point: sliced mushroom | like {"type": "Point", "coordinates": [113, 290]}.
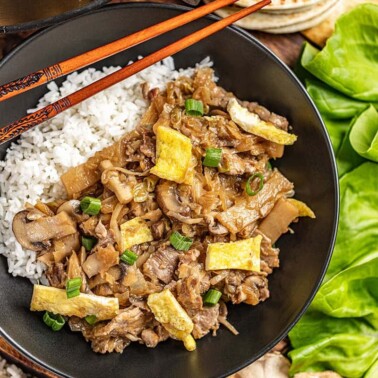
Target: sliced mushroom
{"type": "Point", "coordinates": [122, 190]}
{"type": "Point", "coordinates": [35, 235]}
{"type": "Point", "coordinates": [168, 198]}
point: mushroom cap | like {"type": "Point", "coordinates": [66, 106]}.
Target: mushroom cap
{"type": "Point", "coordinates": [20, 232]}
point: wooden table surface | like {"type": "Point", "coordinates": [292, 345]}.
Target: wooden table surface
{"type": "Point", "coordinates": [285, 46]}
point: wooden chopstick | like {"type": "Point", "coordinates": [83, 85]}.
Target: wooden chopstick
{"type": "Point", "coordinates": [65, 67]}
{"type": "Point", "coordinates": [14, 129]}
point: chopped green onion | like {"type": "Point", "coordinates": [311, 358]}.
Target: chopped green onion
{"type": "Point", "coordinates": [248, 188]}
{"type": "Point", "coordinates": [268, 166]}
{"type": "Point", "coordinates": [212, 297]}
{"type": "Point", "coordinates": [88, 242]}
{"type": "Point", "coordinates": [73, 287]}
{"type": "Point", "coordinates": [55, 322]}
{"type": "Point", "coordinates": [213, 157]}
{"type": "Point", "coordinates": [91, 319]}
{"type": "Point", "coordinates": [180, 242]}
{"type": "Point", "coordinates": [90, 205]}
{"type": "Point", "coordinates": [194, 107]}
{"type": "Point", "coordinates": [129, 257]}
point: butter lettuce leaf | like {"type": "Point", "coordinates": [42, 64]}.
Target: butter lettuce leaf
{"type": "Point", "coordinates": [337, 130]}
{"type": "Point", "coordinates": [332, 103]}
{"type": "Point", "coordinates": [346, 157]}
{"type": "Point", "coordinates": [358, 219]}
{"type": "Point", "coordinates": [348, 62]}
{"type": "Point", "coordinates": [373, 371]}
{"type": "Point", "coordinates": [357, 284]}
{"type": "Point", "coordinates": [348, 346]}
{"type": "Point", "coordinates": [340, 329]}
{"type": "Point", "coordinates": [363, 135]}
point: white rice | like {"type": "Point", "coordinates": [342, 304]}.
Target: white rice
{"type": "Point", "coordinates": [10, 371]}
{"type": "Point", "coordinates": [33, 165]}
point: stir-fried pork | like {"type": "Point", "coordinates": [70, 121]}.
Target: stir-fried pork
{"type": "Point", "coordinates": [127, 249]}
{"type": "Point", "coordinates": [205, 321]}
{"type": "Point", "coordinates": [161, 264]}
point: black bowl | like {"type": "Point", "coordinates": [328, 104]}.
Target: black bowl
{"type": "Point", "coordinates": [253, 73]}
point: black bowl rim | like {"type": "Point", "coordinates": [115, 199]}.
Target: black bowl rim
{"type": "Point", "coordinates": [244, 34]}
{"type": "Point", "coordinates": [43, 22]}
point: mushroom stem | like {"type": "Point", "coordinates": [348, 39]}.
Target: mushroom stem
{"type": "Point", "coordinates": [111, 179]}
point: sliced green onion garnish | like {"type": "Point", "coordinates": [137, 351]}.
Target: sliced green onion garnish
{"type": "Point", "coordinates": [248, 188]}
{"type": "Point", "coordinates": [213, 157]}
{"type": "Point", "coordinates": [73, 287]}
{"type": "Point", "coordinates": [91, 319]}
{"type": "Point", "coordinates": [90, 205]}
{"type": "Point", "coordinates": [180, 242]}
{"type": "Point", "coordinates": [55, 322]}
{"type": "Point", "coordinates": [129, 257]}
{"type": "Point", "coordinates": [268, 166]}
{"type": "Point", "coordinates": [88, 242]}
{"type": "Point", "coordinates": [194, 107]}
{"type": "Point", "coordinates": [212, 297]}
